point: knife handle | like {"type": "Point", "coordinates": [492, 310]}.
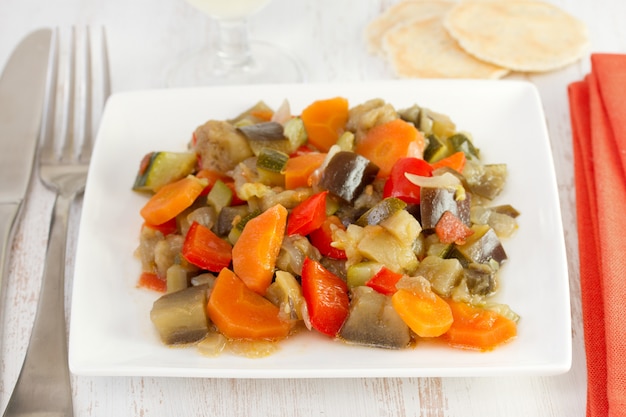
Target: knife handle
{"type": "Point", "coordinates": [8, 219]}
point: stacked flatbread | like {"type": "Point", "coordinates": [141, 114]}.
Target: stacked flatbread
{"type": "Point", "coordinates": [475, 38]}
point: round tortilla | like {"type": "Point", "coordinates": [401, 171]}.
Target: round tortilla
{"type": "Point", "coordinates": [424, 49]}
{"type": "Point", "coordinates": [522, 35]}
{"type": "Point", "coordinates": [403, 11]}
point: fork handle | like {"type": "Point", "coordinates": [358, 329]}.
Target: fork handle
{"type": "Point", "coordinates": [8, 219]}
{"type": "Point", "coordinates": [43, 385]}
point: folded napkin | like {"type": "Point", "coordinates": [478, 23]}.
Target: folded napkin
{"type": "Point", "coordinates": [598, 117]}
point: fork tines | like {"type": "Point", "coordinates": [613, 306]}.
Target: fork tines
{"type": "Point", "coordinates": [72, 102]}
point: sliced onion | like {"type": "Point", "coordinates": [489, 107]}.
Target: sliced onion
{"type": "Point", "coordinates": [447, 180]}
{"type": "Point", "coordinates": [283, 113]}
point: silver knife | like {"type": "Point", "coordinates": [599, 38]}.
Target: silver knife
{"type": "Point", "coordinates": [22, 96]}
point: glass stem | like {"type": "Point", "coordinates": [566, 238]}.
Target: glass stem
{"type": "Point", "coordinates": [233, 44]}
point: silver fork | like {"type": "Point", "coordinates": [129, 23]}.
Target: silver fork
{"type": "Point", "coordinates": [43, 386]}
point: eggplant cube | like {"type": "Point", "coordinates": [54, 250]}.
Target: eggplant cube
{"type": "Point", "coordinates": [373, 321]}
{"type": "Point", "coordinates": [180, 317]}
{"type": "Point", "coordinates": [434, 201]}
{"type": "Point", "coordinates": [347, 174]}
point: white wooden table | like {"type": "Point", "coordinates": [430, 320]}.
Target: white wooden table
{"type": "Point", "coordinates": [145, 38]}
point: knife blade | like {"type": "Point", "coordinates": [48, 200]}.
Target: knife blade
{"type": "Point", "coordinates": [22, 96]}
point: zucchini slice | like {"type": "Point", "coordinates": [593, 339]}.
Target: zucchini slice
{"type": "Point", "coordinates": [161, 168]}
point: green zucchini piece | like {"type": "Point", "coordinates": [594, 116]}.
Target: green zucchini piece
{"type": "Point", "coordinates": [270, 165]}
{"type": "Point", "coordinates": [295, 133]}
{"type": "Point", "coordinates": [381, 211]}
{"type": "Point", "coordinates": [235, 232]}
{"type": "Point", "coordinates": [443, 274]}
{"type": "Point", "coordinates": [161, 168]}
{"type": "Point", "coordinates": [436, 149]}
{"type": "Point", "coordinates": [462, 143]}
{"type": "Point", "coordinates": [272, 160]}
{"type": "Point", "coordinates": [359, 273]}
{"type": "Point", "coordinates": [220, 196]}
{"type": "Point", "coordinates": [488, 181]}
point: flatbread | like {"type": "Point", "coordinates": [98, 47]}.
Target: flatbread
{"type": "Point", "coordinates": [405, 10]}
{"type": "Point", "coordinates": [522, 35]}
{"type": "Point", "coordinates": [424, 49]}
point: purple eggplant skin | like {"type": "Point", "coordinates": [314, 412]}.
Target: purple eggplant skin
{"type": "Point", "coordinates": [265, 131]}
{"type": "Point", "coordinates": [436, 201]}
{"type": "Point", "coordinates": [374, 322]}
{"type": "Point", "coordinates": [483, 246]}
{"type": "Point", "coordinates": [347, 174]}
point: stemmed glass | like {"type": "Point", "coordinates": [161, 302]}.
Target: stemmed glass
{"type": "Point", "coordinates": [234, 59]}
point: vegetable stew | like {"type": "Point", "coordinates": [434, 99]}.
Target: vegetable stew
{"type": "Point", "coordinates": [368, 224]}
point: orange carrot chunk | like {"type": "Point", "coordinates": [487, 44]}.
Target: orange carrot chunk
{"type": "Point", "coordinates": [427, 314]}
{"type": "Point", "coordinates": [299, 168]}
{"type": "Point", "coordinates": [386, 143]}
{"type": "Point", "coordinates": [240, 313]}
{"type": "Point", "coordinates": [256, 249]}
{"type": "Point", "coordinates": [324, 121]}
{"type": "Point", "coordinates": [171, 200]}
{"type": "Point", "coordinates": [477, 328]}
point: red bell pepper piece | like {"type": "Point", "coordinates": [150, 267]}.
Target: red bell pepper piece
{"type": "Point", "coordinates": [326, 297]}
{"type": "Point", "coordinates": [451, 229]}
{"type": "Point", "coordinates": [205, 249]}
{"type": "Point", "coordinates": [166, 228]}
{"type": "Point", "coordinates": [384, 281]}
{"type": "Point", "coordinates": [308, 215]}
{"type": "Point", "coordinates": [399, 186]}
{"type": "Point", "coordinates": [323, 237]}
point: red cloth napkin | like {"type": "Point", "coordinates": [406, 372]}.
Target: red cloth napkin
{"type": "Point", "coordinates": [598, 116]}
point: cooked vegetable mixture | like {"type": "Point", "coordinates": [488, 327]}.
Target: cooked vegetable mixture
{"type": "Point", "coordinates": [367, 224]}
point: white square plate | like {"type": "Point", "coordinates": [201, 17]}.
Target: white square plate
{"type": "Point", "coordinates": [111, 332]}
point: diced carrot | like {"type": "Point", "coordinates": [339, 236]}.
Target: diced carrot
{"type": "Point", "coordinates": [265, 115]}
{"type": "Point", "coordinates": [152, 282]}
{"type": "Point", "coordinates": [451, 229]}
{"type": "Point", "coordinates": [256, 250]}
{"type": "Point", "coordinates": [324, 121]}
{"type": "Point", "coordinates": [456, 161]}
{"type": "Point", "coordinates": [299, 169]}
{"type": "Point", "coordinates": [386, 143]}
{"type": "Point", "coordinates": [172, 199]}
{"type": "Point", "coordinates": [240, 313]}
{"type": "Point", "coordinates": [427, 314]}
{"type": "Point", "coordinates": [477, 328]}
